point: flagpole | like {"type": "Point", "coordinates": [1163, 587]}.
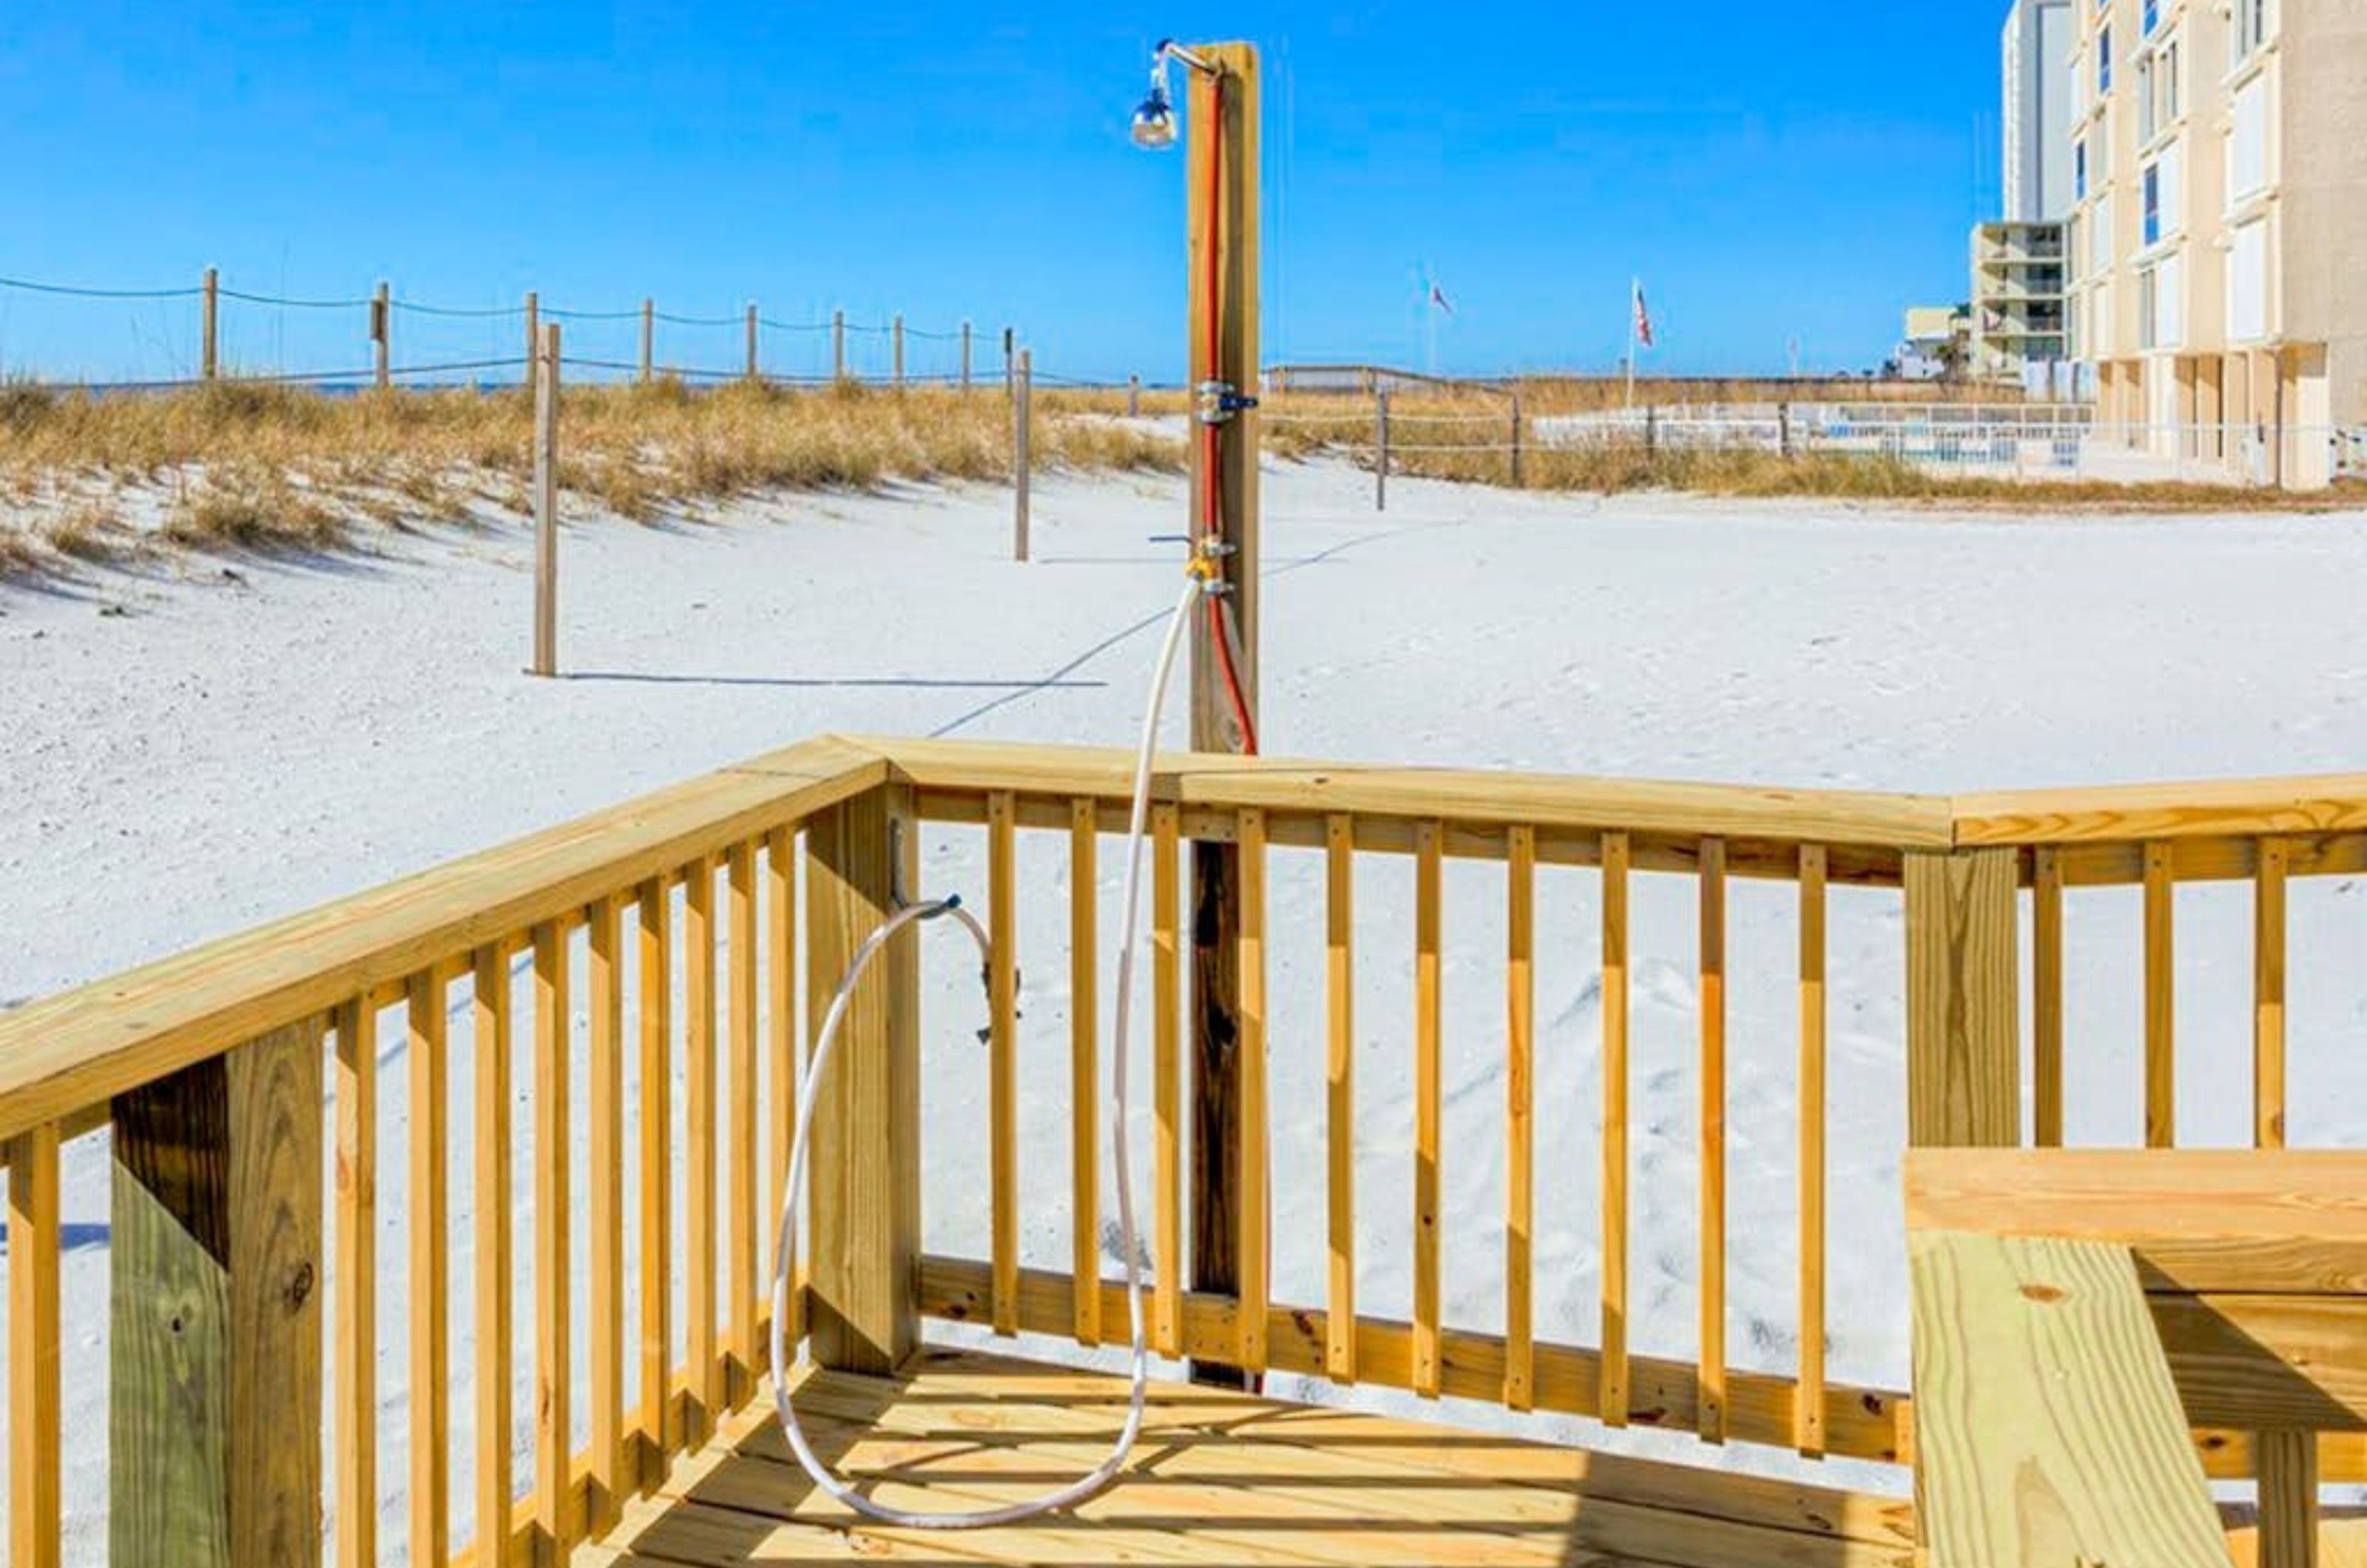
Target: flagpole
{"type": "Point", "coordinates": [1635, 291]}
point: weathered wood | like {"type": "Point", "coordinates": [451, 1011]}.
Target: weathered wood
{"type": "Point", "coordinates": [1520, 1118]}
{"type": "Point", "coordinates": [1613, 1400]}
{"type": "Point", "coordinates": [896, 346]}
{"type": "Point", "coordinates": [1809, 1400]}
{"type": "Point", "coordinates": [1428, 1102]}
{"type": "Point", "coordinates": [491, 1198]}
{"type": "Point", "coordinates": [209, 327]}
{"type": "Point", "coordinates": [1963, 1072]}
{"type": "Point", "coordinates": [649, 341]}
{"type": "Point", "coordinates": [546, 503]}
{"type": "Point", "coordinates": [753, 377]}
{"type": "Point", "coordinates": [353, 1392]}
{"type": "Point", "coordinates": [1381, 451]}
{"type": "Point", "coordinates": [1084, 1071]}
{"type": "Point", "coordinates": [426, 1089]}
{"type": "Point", "coordinates": [1167, 1089]}
{"type": "Point", "coordinates": [554, 1373]}
{"type": "Point", "coordinates": [216, 1262]}
{"type": "Point", "coordinates": [1712, 990]}
{"type": "Point", "coordinates": [1022, 460]}
{"type": "Point", "coordinates": [838, 346]}
{"type": "Point", "coordinates": [867, 1129]}
{"type": "Point", "coordinates": [382, 325]}
{"type": "Point", "coordinates": [2037, 1372]}
{"type": "Point", "coordinates": [35, 1444]}
{"type": "Point", "coordinates": [1256, 1196]}
{"type": "Point", "coordinates": [1003, 1056]}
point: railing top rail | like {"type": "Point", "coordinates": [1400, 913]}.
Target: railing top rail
{"type": "Point", "coordinates": [82, 1047]}
{"type": "Point", "coordinates": [2329, 803]}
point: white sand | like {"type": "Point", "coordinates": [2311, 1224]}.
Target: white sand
{"type": "Point", "coordinates": [228, 751]}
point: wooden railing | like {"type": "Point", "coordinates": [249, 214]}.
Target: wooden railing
{"type": "Point", "coordinates": [684, 927]}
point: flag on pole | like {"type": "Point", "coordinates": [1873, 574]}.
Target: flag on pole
{"type": "Point", "coordinates": [1438, 297]}
{"type": "Point", "coordinates": [1643, 320]}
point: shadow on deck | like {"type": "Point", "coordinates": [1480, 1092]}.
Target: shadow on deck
{"type": "Point", "coordinates": [1218, 1478]}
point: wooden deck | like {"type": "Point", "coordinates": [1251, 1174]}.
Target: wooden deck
{"type": "Point", "coordinates": [1218, 1478]}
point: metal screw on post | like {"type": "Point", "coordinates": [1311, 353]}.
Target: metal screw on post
{"type": "Point", "coordinates": [1023, 395]}
{"type": "Point", "coordinates": [1381, 450]}
{"type": "Point", "coordinates": [546, 504]}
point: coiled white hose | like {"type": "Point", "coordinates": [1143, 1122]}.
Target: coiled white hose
{"type": "Point", "coordinates": [792, 1200]}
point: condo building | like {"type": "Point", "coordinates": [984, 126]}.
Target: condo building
{"type": "Point", "coordinates": [2217, 240]}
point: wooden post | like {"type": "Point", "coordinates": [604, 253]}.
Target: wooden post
{"type": "Point", "coordinates": [1516, 438]}
{"type": "Point", "coordinates": [1652, 428]}
{"type": "Point", "coordinates": [533, 331]}
{"type": "Point", "coordinates": [1223, 295]}
{"type": "Point", "coordinates": [838, 346]}
{"type": "Point", "coordinates": [1381, 450]}
{"type": "Point", "coordinates": [1010, 363]}
{"type": "Point", "coordinates": [381, 334]}
{"type": "Point", "coordinates": [896, 345]}
{"type": "Point", "coordinates": [1134, 397]}
{"type": "Point", "coordinates": [209, 343]}
{"type": "Point", "coordinates": [648, 340]}
{"type": "Point", "coordinates": [965, 356]}
{"type": "Point", "coordinates": [865, 1186]}
{"type": "Point", "coordinates": [1784, 429]}
{"type": "Point", "coordinates": [546, 504]}
{"type": "Point", "coordinates": [214, 1393]}
{"type": "Point", "coordinates": [755, 376]}
{"type": "Point", "coordinates": [1022, 397]}
{"type": "Point", "coordinates": [1963, 1072]}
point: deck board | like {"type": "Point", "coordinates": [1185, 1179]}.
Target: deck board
{"type": "Point", "coordinates": [1218, 1477]}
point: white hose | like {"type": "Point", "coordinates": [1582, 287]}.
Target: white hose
{"type": "Point", "coordinates": [785, 1246]}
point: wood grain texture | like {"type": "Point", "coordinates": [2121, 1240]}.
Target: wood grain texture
{"type": "Point", "coordinates": [427, 1088]}
{"type": "Point", "coordinates": [1963, 1068]}
{"type": "Point", "coordinates": [1084, 1070]}
{"type": "Point", "coordinates": [2046, 995]}
{"type": "Point", "coordinates": [605, 1327]}
{"type": "Point", "coordinates": [1808, 1432]}
{"type": "Point", "coordinates": [1256, 1199]}
{"type": "Point", "coordinates": [1340, 1093]}
{"type": "Point", "coordinates": [1613, 1398]}
{"type": "Point", "coordinates": [2037, 1376]}
{"type": "Point", "coordinates": [554, 1380]}
{"type": "Point", "coordinates": [1428, 1102]}
{"type": "Point", "coordinates": [35, 1495]}
{"type": "Point", "coordinates": [1520, 1119]}
{"type": "Point", "coordinates": [781, 1057]}
{"type": "Point", "coordinates": [1167, 1081]}
{"type": "Point", "coordinates": [216, 1260]}
{"type": "Point", "coordinates": [2289, 1515]}
{"type": "Point", "coordinates": [1711, 984]}
{"type": "Point", "coordinates": [2129, 813]}
{"type": "Point", "coordinates": [653, 982]}
{"type": "Point", "coordinates": [354, 1367]}
{"type": "Point", "coordinates": [741, 1225]}
{"type": "Point", "coordinates": [2160, 999]}
{"type": "Point", "coordinates": [491, 1198]}
{"type": "Point", "coordinates": [1003, 1054]}
{"type": "Point", "coordinates": [2269, 996]}
{"type": "Point", "coordinates": [701, 1125]}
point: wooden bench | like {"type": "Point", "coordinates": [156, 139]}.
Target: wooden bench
{"type": "Point", "coordinates": [2077, 1312]}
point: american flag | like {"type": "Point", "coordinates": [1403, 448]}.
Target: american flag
{"type": "Point", "coordinates": [1643, 320]}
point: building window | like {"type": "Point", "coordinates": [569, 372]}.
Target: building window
{"type": "Point", "coordinates": [2251, 24]}
{"type": "Point", "coordinates": [2248, 283]}
{"type": "Point", "coordinates": [2248, 141]}
{"type": "Point", "coordinates": [2153, 204]}
{"type": "Point", "coordinates": [2104, 63]}
{"type": "Point", "coordinates": [2152, 15]}
{"type": "Point", "coordinates": [2079, 171]}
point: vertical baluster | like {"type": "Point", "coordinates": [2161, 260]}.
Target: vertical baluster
{"type": "Point", "coordinates": [355, 1393]}
{"type": "Point", "coordinates": [699, 1118]}
{"type": "Point", "coordinates": [740, 1221]}
{"type": "Point", "coordinates": [1520, 1114]}
{"type": "Point", "coordinates": [653, 979]}
{"type": "Point", "coordinates": [1712, 1424]}
{"type": "Point", "coordinates": [426, 1089]}
{"type": "Point", "coordinates": [1427, 1053]}
{"type": "Point", "coordinates": [491, 1047]}
{"type": "Point", "coordinates": [781, 1051]}
{"type": "Point", "coordinates": [553, 1375]}
{"type": "Point", "coordinates": [1256, 1201]}
{"type": "Point", "coordinates": [1610, 1394]}
{"type": "Point", "coordinates": [2160, 1000]}
{"type": "Point", "coordinates": [1166, 1066]}
{"type": "Point", "coordinates": [607, 1164]}
{"type": "Point", "coordinates": [2046, 992]}
{"type": "Point", "coordinates": [1808, 1399]}
{"type": "Point", "coordinates": [1340, 977]}
{"type": "Point", "coordinates": [35, 1497]}
{"type": "Point", "coordinates": [1003, 1064]}
{"type": "Point", "coordinates": [1085, 1077]}
{"type": "Point", "coordinates": [2269, 995]}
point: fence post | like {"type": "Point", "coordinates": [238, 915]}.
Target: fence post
{"type": "Point", "coordinates": [546, 504]}
{"type": "Point", "coordinates": [381, 331]}
{"type": "Point", "coordinates": [1134, 397]}
{"type": "Point", "coordinates": [838, 346]}
{"type": "Point", "coordinates": [1381, 450]}
{"type": "Point", "coordinates": [1023, 395]}
{"type": "Point", "coordinates": [1651, 428]}
{"type": "Point", "coordinates": [866, 1191]}
{"type": "Point", "coordinates": [754, 375]}
{"type": "Point", "coordinates": [896, 345]}
{"type": "Point", "coordinates": [1010, 347]}
{"type": "Point", "coordinates": [1516, 439]}
{"type": "Point", "coordinates": [1784, 429]}
{"type": "Point", "coordinates": [209, 347]}
{"type": "Point", "coordinates": [649, 339]}
{"type": "Point", "coordinates": [215, 1283]}
{"type": "Point", "coordinates": [1964, 1076]}
{"type": "Point", "coordinates": [533, 331]}
{"type": "Point", "coordinates": [965, 352]}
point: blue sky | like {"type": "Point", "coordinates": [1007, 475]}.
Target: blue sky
{"type": "Point", "coordinates": [1772, 173]}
